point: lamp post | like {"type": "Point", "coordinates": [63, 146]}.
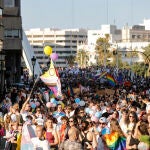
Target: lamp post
{"type": "Point", "coordinates": [33, 60]}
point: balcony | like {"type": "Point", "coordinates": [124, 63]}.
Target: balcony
{"type": "Point", "coordinates": [11, 11]}
{"type": "Point", "coordinates": [12, 44]}
{"type": "Point", "coordinates": [12, 22]}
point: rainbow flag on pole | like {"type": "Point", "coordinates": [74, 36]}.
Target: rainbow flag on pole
{"type": "Point", "coordinates": [100, 75]}
{"type": "Point", "coordinates": [111, 80]}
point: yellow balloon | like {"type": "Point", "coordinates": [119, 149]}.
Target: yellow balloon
{"type": "Point", "coordinates": [47, 50]}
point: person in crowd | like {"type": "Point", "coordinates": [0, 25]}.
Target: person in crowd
{"type": "Point", "coordinates": [88, 137]}
{"type": "Point", "coordinates": [40, 142]}
{"type": "Point", "coordinates": [58, 113]}
{"type": "Point", "coordinates": [51, 134]}
{"type": "Point", "coordinates": [147, 102]}
{"type": "Point", "coordinates": [107, 112]}
{"type": "Point", "coordinates": [72, 143]}
{"type": "Point", "coordinates": [122, 122]}
{"type": "Point", "coordinates": [131, 121]}
{"type": "Point", "coordinates": [116, 139]}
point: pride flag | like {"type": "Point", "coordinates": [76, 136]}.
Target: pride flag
{"type": "Point", "coordinates": [52, 80]}
{"type": "Point", "coordinates": [101, 75]}
{"type": "Point", "coordinates": [111, 80]}
{"type": "Point", "coordinates": [115, 142]}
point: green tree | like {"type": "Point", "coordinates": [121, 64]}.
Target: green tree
{"type": "Point", "coordinates": [139, 68]}
{"type": "Point", "coordinates": [82, 57]}
{"type": "Point", "coordinates": [147, 58]}
{"type": "Point", "coordinates": [102, 46]}
{"type": "Point", "coordinates": [147, 53]}
{"type": "Point", "coordinates": [70, 59]}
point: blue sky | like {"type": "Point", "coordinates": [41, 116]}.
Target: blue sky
{"type": "Point", "coordinates": [83, 13]}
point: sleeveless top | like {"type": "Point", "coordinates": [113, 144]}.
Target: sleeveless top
{"type": "Point", "coordinates": [50, 137]}
{"type": "Point", "coordinates": [85, 141]}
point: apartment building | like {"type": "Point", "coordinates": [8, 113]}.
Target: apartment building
{"type": "Point", "coordinates": [136, 33]}
{"type": "Point", "coordinates": [64, 43]}
{"type": "Point", "coordinates": [12, 38]}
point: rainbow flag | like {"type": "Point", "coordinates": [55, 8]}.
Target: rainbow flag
{"type": "Point", "coordinates": [101, 75]}
{"type": "Point", "coordinates": [111, 80]}
{"type": "Point", "coordinates": [115, 142]}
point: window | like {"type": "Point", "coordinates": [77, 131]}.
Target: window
{"type": "Point", "coordinates": [12, 34]}
{"type": "Point", "coordinates": [9, 3]}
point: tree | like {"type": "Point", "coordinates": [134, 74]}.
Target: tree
{"type": "Point", "coordinates": [147, 58]}
{"type": "Point", "coordinates": [139, 68]}
{"type": "Point", "coordinates": [70, 59]}
{"type": "Point", "coordinates": [147, 53]}
{"type": "Point", "coordinates": [102, 45]}
{"type": "Point", "coordinates": [82, 57]}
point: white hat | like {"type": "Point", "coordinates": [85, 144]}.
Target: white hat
{"type": "Point", "coordinates": [103, 120]}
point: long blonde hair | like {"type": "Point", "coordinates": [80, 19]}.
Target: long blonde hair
{"type": "Point", "coordinates": [115, 127]}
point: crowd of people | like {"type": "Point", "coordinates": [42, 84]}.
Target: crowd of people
{"type": "Point", "coordinates": [103, 121]}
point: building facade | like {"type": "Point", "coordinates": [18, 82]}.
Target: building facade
{"type": "Point", "coordinates": [12, 39]}
{"type": "Point", "coordinates": [63, 42]}
{"type": "Point", "coordinates": [136, 33]}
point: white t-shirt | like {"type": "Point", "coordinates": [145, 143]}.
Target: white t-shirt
{"type": "Point", "coordinates": [39, 144]}
{"type": "Point", "coordinates": [147, 107]}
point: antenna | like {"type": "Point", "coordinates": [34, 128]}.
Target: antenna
{"type": "Point", "coordinates": [72, 9]}
{"type": "Point", "coordinates": [107, 10]}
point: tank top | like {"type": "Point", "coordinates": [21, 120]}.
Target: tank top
{"type": "Point", "coordinates": [50, 137]}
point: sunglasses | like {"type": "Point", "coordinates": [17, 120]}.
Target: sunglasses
{"type": "Point", "coordinates": [71, 121]}
{"type": "Point", "coordinates": [102, 123]}
{"type": "Point", "coordinates": [131, 116]}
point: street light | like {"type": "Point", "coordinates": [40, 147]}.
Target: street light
{"type": "Point", "coordinates": [33, 60]}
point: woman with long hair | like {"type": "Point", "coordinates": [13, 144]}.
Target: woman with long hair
{"type": "Point", "coordinates": [132, 141]}
{"type": "Point", "coordinates": [131, 121]}
{"type": "Point", "coordinates": [116, 139]}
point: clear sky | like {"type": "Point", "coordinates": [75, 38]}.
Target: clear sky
{"type": "Point", "coordinates": [83, 13]}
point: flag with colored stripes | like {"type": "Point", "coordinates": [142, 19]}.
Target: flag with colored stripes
{"type": "Point", "coordinates": [115, 142]}
{"type": "Point", "coordinates": [111, 80]}
{"type": "Point", "coordinates": [52, 80]}
{"type": "Point", "coordinates": [100, 75]}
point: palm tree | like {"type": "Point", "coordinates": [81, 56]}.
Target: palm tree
{"type": "Point", "coordinates": [102, 45]}
{"type": "Point", "coordinates": [70, 59]}
{"type": "Point", "coordinates": [147, 58]}
{"type": "Point", "coordinates": [82, 57]}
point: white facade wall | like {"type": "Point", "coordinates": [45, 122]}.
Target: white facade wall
{"type": "Point", "coordinates": [146, 23]}
{"type": "Point", "coordinates": [63, 42]}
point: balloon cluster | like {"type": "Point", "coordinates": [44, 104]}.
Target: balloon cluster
{"type": "Point", "coordinates": [95, 115]}
{"type": "Point", "coordinates": [79, 102]}
{"type": "Point", "coordinates": [48, 52]}
{"type": "Point", "coordinates": [34, 104]}
{"type": "Point", "coordinates": [53, 103]}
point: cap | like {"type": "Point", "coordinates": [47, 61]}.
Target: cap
{"type": "Point", "coordinates": [103, 119]}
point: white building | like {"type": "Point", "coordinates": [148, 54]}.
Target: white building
{"type": "Point", "coordinates": [93, 35]}
{"type": "Point", "coordinates": [114, 34]}
{"type": "Point", "coordinates": [136, 33]}
{"type": "Point", "coordinates": [64, 43]}
{"type": "Point", "coordinates": [146, 23]}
